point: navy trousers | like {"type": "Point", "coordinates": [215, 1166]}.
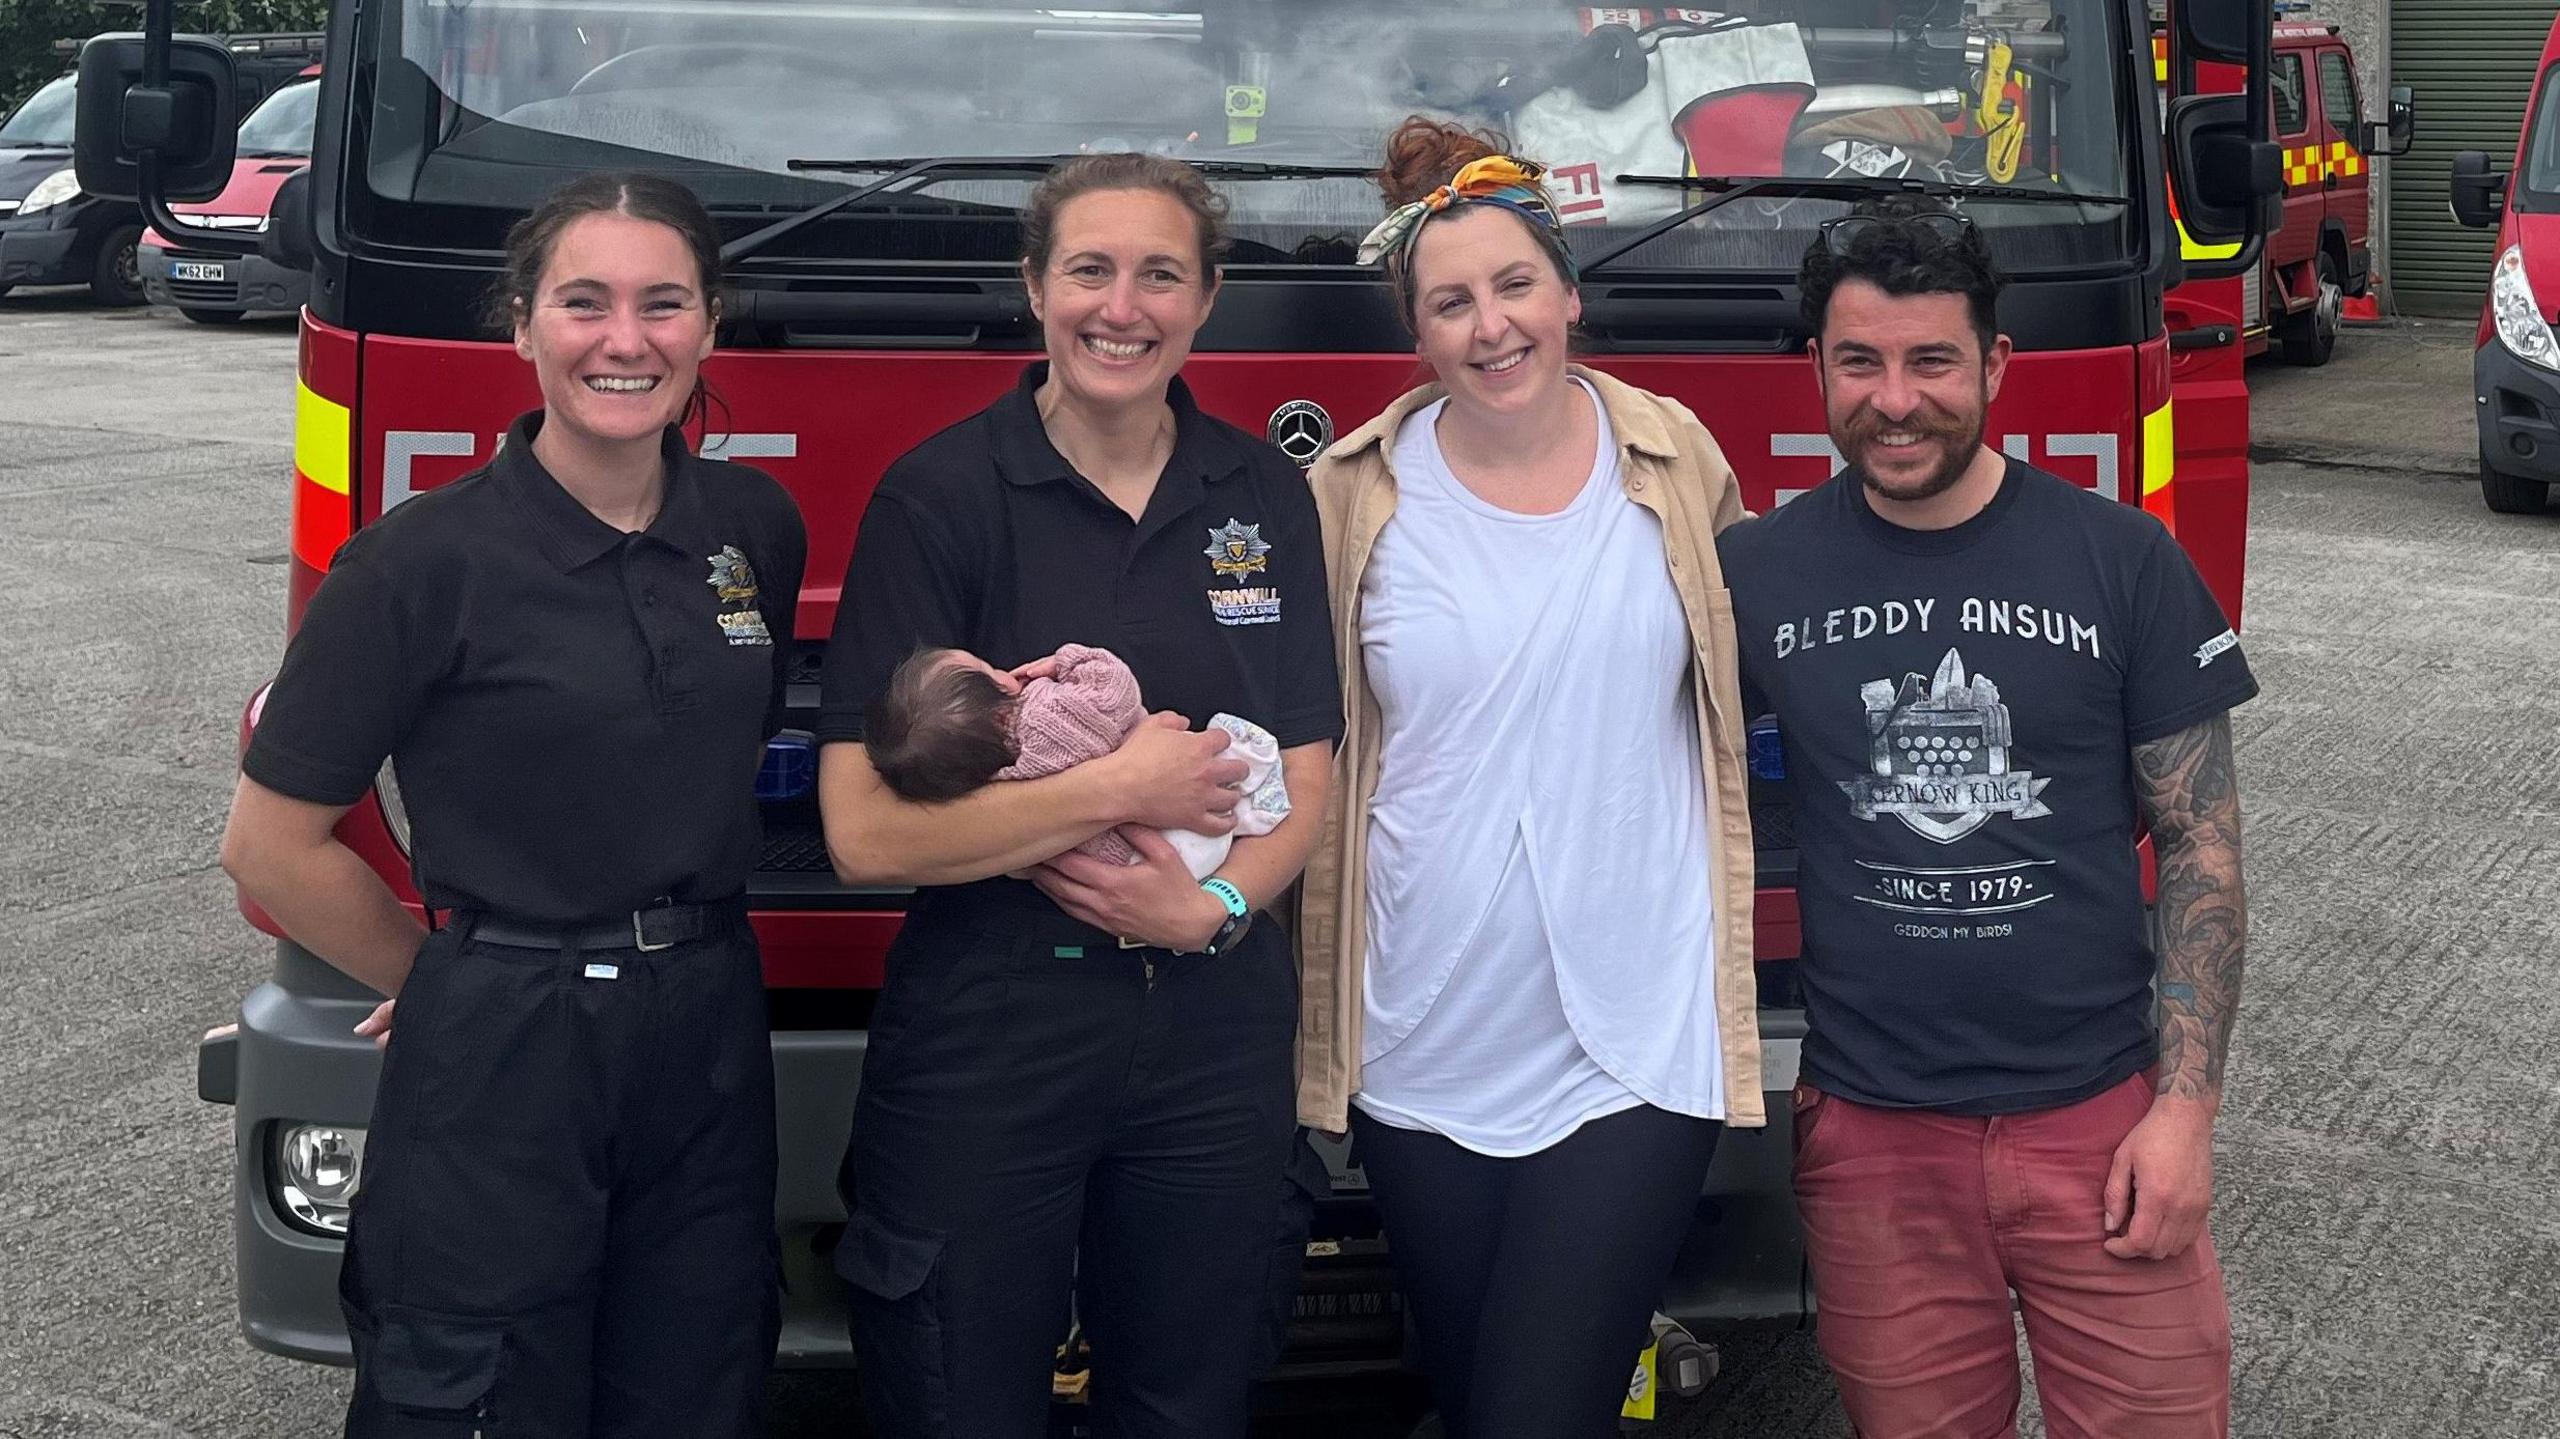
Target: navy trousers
{"type": "Point", "coordinates": [566, 1223]}
{"type": "Point", "coordinates": [1045, 1114]}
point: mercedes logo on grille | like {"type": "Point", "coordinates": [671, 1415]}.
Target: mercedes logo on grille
{"type": "Point", "coordinates": [1301, 429]}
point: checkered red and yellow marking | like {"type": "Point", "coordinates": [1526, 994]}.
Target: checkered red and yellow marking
{"type": "Point", "coordinates": [2314, 164]}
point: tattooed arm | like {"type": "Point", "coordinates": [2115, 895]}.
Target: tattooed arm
{"type": "Point", "coordinates": [2161, 1187]}
{"type": "Point", "coordinates": [2192, 804]}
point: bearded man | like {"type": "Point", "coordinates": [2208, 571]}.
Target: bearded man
{"type": "Point", "coordinates": [1987, 682]}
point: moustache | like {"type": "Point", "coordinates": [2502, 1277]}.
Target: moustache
{"type": "Point", "coordinates": [1926, 422]}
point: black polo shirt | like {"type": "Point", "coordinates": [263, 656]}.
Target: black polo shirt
{"type": "Point", "coordinates": [984, 538]}
{"type": "Point", "coordinates": [575, 714]}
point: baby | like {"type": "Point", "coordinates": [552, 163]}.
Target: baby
{"type": "Point", "coordinates": [945, 727]}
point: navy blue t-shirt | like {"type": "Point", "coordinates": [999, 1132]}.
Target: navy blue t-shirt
{"type": "Point", "coordinates": [1959, 709]}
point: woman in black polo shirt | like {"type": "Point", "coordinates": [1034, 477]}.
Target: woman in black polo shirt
{"type": "Point", "coordinates": [572, 658]}
{"type": "Point", "coordinates": [1081, 1078]}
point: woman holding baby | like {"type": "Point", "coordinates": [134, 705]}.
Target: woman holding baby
{"type": "Point", "coordinates": [1080, 1070]}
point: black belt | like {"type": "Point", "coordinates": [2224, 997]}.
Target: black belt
{"type": "Point", "coordinates": [662, 926]}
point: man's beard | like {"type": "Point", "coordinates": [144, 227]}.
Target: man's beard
{"type": "Point", "coordinates": [1959, 439]}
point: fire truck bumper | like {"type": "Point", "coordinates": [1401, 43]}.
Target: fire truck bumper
{"type": "Point", "coordinates": [2519, 414]}
{"type": "Point", "coordinates": [301, 1085]}
{"type": "Point", "coordinates": [33, 252]}
{"type": "Point", "coordinates": [220, 281]}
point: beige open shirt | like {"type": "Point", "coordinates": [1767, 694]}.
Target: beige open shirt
{"type": "Point", "coordinates": [1672, 467]}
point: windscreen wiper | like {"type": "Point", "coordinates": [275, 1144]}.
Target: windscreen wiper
{"type": "Point", "coordinates": [1217, 169]}
{"type": "Point", "coordinates": [943, 167]}
{"type": "Point", "coordinates": [900, 172]}
{"type": "Point", "coordinates": [1213, 166]}
{"type": "Point", "coordinates": [1819, 187]}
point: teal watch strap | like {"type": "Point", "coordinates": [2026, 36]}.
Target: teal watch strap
{"type": "Point", "coordinates": [1228, 895]}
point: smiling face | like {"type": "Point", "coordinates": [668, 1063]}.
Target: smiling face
{"type": "Point", "coordinates": [1491, 313]}
{"type": "Point", "coordinates": [617, 328]}
{"type": "Point", "coordinates": [1906, 386]}
{"type": "Point", "coordinates": [1124, 292]}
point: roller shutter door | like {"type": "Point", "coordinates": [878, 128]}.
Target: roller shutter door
{"type": "Point", "coordinates": [2472, 63]}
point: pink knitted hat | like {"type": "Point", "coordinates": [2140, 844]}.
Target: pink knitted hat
{"type": "Point", "coordinates": [1082, 714]}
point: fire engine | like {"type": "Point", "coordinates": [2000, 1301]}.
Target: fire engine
{"type": "Point", "coordinates": [2296, 299]}
{"type": "Point", "coordinates": [867, 159]}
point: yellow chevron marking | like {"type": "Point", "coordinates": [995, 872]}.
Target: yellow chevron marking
{"type": "Point", "coordinates": [2159, 448]}
{"type": "Point", "coordinates": [320, 439]}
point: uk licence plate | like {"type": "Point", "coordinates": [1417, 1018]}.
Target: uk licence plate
{"type": "Point", "coordinates": [195, 270]}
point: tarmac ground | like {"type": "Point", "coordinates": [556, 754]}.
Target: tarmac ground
{"type": "Point", "coordinates": [2387, 1171]}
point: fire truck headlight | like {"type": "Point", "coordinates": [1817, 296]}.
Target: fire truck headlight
{"type": "Point", "coordinates": [54, 189]}
{"type": "Point", "coordinates": [2521, 327]}
{"type": "Point", "coordinates": [318, 1168]}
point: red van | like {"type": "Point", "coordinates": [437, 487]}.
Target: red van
{"type": "Point", "coordinates": [212, 287]}
{"type": "Point", "coordinates": [2515, 365]}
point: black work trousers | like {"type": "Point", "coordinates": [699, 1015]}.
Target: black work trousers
{"type": "Point", "coordinates": [566, 1222]}
{"type": "Point", "coordinates": [1045, 1114]}
{"type": "Point", "coordinates": [1533, 1280]}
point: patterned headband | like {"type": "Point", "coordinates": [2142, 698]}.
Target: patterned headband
{"type": "Point", "coordinates": [1493, 180]}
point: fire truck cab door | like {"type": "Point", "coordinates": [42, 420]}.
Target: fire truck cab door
{"type": "Point", "coordinates": [2301, 132]}
{"type": "Point", "coordinates": [2350, 170]}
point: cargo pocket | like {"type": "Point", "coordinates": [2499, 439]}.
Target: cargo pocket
{"type": "Point", "coordinates": [437, 1374]}
{"type": "Point", "coordinates": [897, 1323]}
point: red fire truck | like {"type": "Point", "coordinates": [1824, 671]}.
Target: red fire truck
{"type": "Point", "coordinates": [867, 159]}
{"type": "Point", "coordinates": [2295, 298]}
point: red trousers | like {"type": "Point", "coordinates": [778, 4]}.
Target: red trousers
{"type": "Point", "coordinates": [1919, 1225]}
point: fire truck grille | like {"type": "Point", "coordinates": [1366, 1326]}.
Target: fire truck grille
{"type": "Point", "coordinates": [794, 845]}
{"type": "Point", "coordinates": [793, 851]}
{"type": "Point", "coordinates": [1773, 824]}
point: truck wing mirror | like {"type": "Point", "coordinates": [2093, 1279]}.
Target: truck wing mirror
{"type": "Point", "coordinates": [2218, 30]}
{"type": "Point", "coordinates": [2479, 193]}
{"type": "Point", "coordinates": [290, 240]}
{"type": "Point", "coordinates": [2393, 134]}
{"type": "Point", "coordinates": [2227, 182]}
{"type": "Point", "coordinates": [183, 129]}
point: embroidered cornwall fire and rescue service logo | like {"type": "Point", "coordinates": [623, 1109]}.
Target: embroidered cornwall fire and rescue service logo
{"type": "Point", "coordinates": [732, 576]}
{"type": "Point", "coordinates": [734, 581]}
{"type": "Point", "coordinates": [1939, 749]}
{"type": "Point", "coordinates": [1237, 549]}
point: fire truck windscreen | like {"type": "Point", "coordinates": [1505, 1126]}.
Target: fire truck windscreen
{"type": "Point", "coordinates": [493, 102]}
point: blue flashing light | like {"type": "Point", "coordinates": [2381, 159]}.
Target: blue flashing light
{"type": "Point", "coordinates": [1766, 751]}
{"type": "Point", "coordinates": [790, 767]}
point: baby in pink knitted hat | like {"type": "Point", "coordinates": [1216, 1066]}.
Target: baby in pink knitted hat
{"type": "Point", "coordinates": [945, 727]}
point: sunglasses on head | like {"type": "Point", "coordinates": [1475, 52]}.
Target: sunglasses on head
{"type": "Point", "coordinates": [1837, 235]}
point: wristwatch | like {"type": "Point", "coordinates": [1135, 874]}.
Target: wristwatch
{"type": "Point", "coordinates": [1239, 918]}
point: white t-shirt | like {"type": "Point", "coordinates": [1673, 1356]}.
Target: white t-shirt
{"type": "Point", "coordinates": [1541, 935]}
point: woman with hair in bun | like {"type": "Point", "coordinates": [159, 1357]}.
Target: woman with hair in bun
{"type": "Point", "coordinates": [1527, 930]}
{"type": "Point", "coordinates": [572, 658]}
